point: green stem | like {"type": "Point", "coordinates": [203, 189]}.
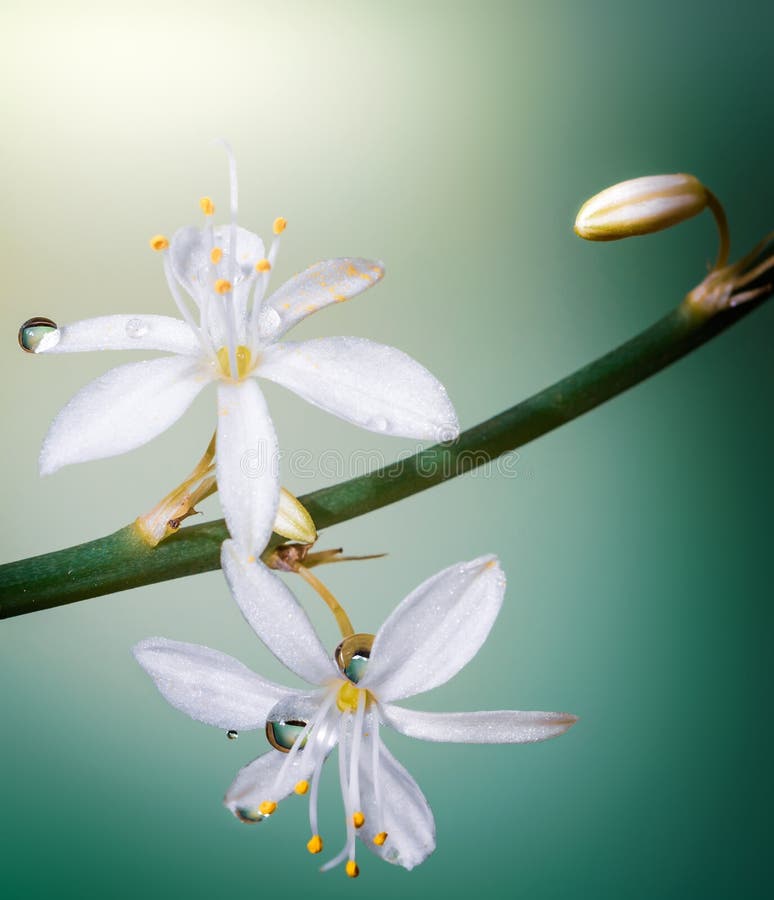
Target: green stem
{"type": "Point", "coordinates": [121, 560]}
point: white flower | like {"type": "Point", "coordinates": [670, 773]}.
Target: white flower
{"type": "Point", "coordinates": [431, 635]}
{"type": "Point", "coordinates": [229, 335]}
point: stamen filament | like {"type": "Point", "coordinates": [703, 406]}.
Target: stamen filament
{"type": "Point", "coordinates": [375, 742]}
{"type": "Point", "coordinates": [184, 311]}
{"type": "Point", "coordinates": [342, 619]}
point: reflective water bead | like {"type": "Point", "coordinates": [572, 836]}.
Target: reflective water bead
{"type": "Point", "coordinates": [249, 815]}
{"type": "Point", "coordinates": [136, 328]}
{"type": "Point", "coordinates": [232, 735]}
{"type": "Point", "coordinates": [352, 655]}
{"type": "Point", "coordinates": [282, 735]}
{"type": "Point", "coordinates": [38, 333]}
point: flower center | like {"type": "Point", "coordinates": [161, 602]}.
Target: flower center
{"type": "Point", "coordinates": [348, 696]}
{"type": "Point", "coordinates": [243, 361]}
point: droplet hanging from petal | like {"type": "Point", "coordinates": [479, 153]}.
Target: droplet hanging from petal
{"type": "Point", "coordinates": [38, 334]}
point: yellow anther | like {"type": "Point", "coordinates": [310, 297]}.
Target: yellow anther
{"type": "Point", "coordinates": [314, 844]}
{"type": "Point", "coordinates": [159, 242]}
{"type": "Point", "coordinates": [352, 869]}
{"type": "Point", "coordinates": [280, 225]}
{"type": "Point", "coordinates": [358, 819]}
{"type": "Point", "coordinates": [380, 838]}
{"type": "Point", "coordinates": [207, 206]}
{"type": "Point", "coordinates": [267, 807]}
{"type": "Point", "coordinates": [263, 265]}
{"type": "Point", "coordinates": [243, 361]}
{"type": "Point", "coordinates": [216, 255]}
{"type": "Point", "coordinates": [222, 286]}
{"type": "Point", "coordinates": [250, 558]}
{"type": "Point", "coordinates": [301, 787]}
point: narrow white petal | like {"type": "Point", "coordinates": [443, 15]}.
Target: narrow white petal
{"type": "Point", "coordinates": [405, 814]}
{"type": "Point", "coordinates": [258, 782]}
{"type": "Point", "coordinates": [276, 616]}
{"type": "Point", "coordinates": [123, 409]}
{"type": "Point", "coordinates": [246, 461]}
{"type": "Point", "coordinates": [371, 385]}
{"type": "Point", "coordinates": [436, 630]}
{"type": "Point", "coordinates": [208, 685]}
{"type": "Point", "coordinates": [324, 283]}
{"type": "Point", "coordinates": [126, 332]}
{"type": "Point", "coordinates": [495, 727]}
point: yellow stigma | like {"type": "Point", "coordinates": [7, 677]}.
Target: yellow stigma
{"type": "Point", "coordinates": [222, 286]}
{"type": "Point", "coordinates": [358, 819]}
{"type": "Point", "coordinates": [216, 254]}
{"type": "Point", "coordinates": [314, 844]}
{"type": "Point", "coordinates": [352, 869]}
{"type": "Point", "coordinates": [263, 265]}
{"type": "Point", "coordinates": [280, 225]}
{"type": "Point", "coordinates": [243, 360]}
{"type": "Point", "coordinates": [380, 838]}
{"type": "Point", "coordinates": [348, 697]}
{"type": "Point", "coordinates": [207, 206]}
{"type": "Point", "coordinates": [302, 787]}
{"type": "Point", "coordinates": [267, 807]}
{"type": "Point", "coordinates": [159, 242]}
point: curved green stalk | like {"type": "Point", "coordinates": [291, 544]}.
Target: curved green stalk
{"type": "Point", "coordinates": [122, 560]}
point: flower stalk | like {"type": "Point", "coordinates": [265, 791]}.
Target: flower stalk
{"type": "Point", "coordinates": [122, 560]}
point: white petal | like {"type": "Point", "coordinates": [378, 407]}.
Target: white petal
{"type": "Point", "coordinates": [246, 464]}
{"type": "Point", "coordinates": [257, 782]}
{"type": "Point", "coordinates": [324, 283]}
{"type": "Point", "coordinates": [371, 385]}
{"type": "Point", "coordinates": [406, 815]}
{"type": "Point", "coordinates": [208, 685]}
{"type": "Point", "coordinates": [276, 616]}
{"type": "Point", "coordinates": [495, 727]}
{"type": "Point", "coordinates": [126, 332]}
{"type": "Point", "coordinates": [123, 409]}
{"type": "Point", "coordinates": [436, 630]}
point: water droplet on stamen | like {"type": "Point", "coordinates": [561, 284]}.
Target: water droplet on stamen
{"type": "Point", "coordinates": [232, 735]}
{"type": "Point", "coordinates": [136, 328]}
{"type": "Point", "coordinates": [37, 334]}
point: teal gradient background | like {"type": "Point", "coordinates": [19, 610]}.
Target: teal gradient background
{"type": "Point", "coordinates": [454, 140]}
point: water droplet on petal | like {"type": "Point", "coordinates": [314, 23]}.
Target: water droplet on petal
{"type": "Point", "coordinates": [38, 334]}
{"type": "Point", "coordinates": [282, 735]}
{"type": "Point", "coordinates": [378, 423]}
{"type": "Point", "coordinates": [249, 815]}
{"type": "Point", "coordinates": [232, 735]}
{"type": "Point", "coordinates": [136, 328]}
{"type": "Point", "coordinates": [269, 322]}
{"type": "Point", "coordinates": [352, 655]}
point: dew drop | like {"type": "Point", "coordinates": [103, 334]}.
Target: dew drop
{"type": "Point", "coordinates": [378, 423]}
{"type": "Point", "coordinates": [232, 735]}
{"type": "Point", "coordinates": [249, 815]}
{"type": "Point", "coordinates": [282, 735]}
{"type": "Point", "coordinates": [136, 328]}
{"type": "Point", "coordinates": [37, 334]}
{"type": "Point", "coordinates": [269, 322]}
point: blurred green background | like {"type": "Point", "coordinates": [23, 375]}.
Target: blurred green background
{"type": "Point", "coordinates": [454, 140]}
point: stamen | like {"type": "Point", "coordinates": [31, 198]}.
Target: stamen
{"type": "Point", "coordinates": [314, 844]}
{"type": "Point", "coordinates": [207, 206]}
{"type": "Point", "coordinates": [222, 286]}
{"type": "Point", "coordinates": [352, 869]}
{"type": "Point", "coordinates": [380, 838]}
{"type": "Point", "coordinates": [216, 254]}
{"type": "Point", "coordinates": [172, 284]}
{"type": "Point", "coordinates": [358, 819]}
{"type": "Point", "coordinates": [263, 265]}
{"type": "Point", "coordinates": [279, 225]}
{"type": "Point", "coordinates": [267, 807]}
{"type": "Point", "coordinates": [375, 743]}
{"type": "Point", "coordinates": [301, 787]}
{"type": "Point", "coordinates": [158, 242]}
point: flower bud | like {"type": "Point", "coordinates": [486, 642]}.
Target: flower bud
{"type": "Point", "coordinates": [640, 206]}
{"type": "Point", "coordinates": [293, 521]}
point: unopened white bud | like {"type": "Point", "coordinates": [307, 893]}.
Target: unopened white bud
{"type": "Point", "coordinates": [641, 206]}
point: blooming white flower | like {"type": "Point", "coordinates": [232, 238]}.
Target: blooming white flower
{"type": "Point", "coordinates": [230, 334]}
{"type": "Point", "coordinates": [431, 635]}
